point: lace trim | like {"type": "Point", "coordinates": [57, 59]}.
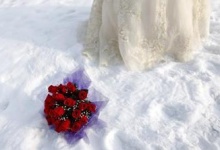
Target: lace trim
{"type": "Point", "coordinates": [92, 37]}
{"type": "Point", "coordinates": [148, 50]}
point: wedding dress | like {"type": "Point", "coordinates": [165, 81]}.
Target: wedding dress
{"type": "Point", "coordinates": [141, 33]}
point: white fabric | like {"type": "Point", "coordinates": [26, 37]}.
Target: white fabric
{"type": "Point", "coordinates": [143, 32]}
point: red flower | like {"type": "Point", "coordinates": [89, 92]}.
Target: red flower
{"type": "Point", "coordinates": [82, 106]}
{"type": "Point", "coordinates": [83, 94]}
{"type": "Point", "coordinates": [92, 107]}
{"type": "Point", "coordinates": [67, 96]}
{"type": "Point", "coordinates": [59, 97]}
{"type": "Point", "coordinates": [76, 114]}
{"type": "Point", "coordinates": [59, 111]}
{"type": "Point", "coordinates": [64, 125]}
{"type": "Point", "coordinates": [60, 86]}
{"type": "Point", "coordinates": [61, 126]}
{"type": "Point", "coordinates": [69, 102]}
{"type": "Point", "coordinates": [64, 89]}
{"type": "Point", "coordinates": [49, 100]}
{"type": "Point", "coordinates": [56, 122]}
{"type": "Point", "coordinates": [46, 110]}
{"type": "Point", "coordinates": [83, 120]}
{"type": "Point", "coordinates": [71, 87]}
{"type": "Point", "coordinates": [76, 126]}
{"type": "Point", "coordinates": [51, 120]}
{"type": "Point", "coordinates": [51, 113]}
{"type": "Point", "coordinates": [58, 128]}
{"type": "Point", "coordinates": [52, 89]}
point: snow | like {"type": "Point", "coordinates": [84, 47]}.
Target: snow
{"type": "Point", "coordinates": [174, 106]}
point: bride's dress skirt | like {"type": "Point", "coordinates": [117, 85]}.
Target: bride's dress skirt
{"type": "Point", "coordinates": [141, 33]}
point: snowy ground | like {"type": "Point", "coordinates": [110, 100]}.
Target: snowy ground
{"type": "Point", "coordinates": [175, 106]}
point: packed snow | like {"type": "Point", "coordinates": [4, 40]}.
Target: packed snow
{"type": "Point", "coordinates": [174, 106]}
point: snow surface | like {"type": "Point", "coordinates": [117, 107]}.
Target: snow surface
{"type": "Point", "coordinates": [175, 106]}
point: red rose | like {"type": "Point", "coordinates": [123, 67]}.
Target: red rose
{"type": "Point", "coordinates": [57, 122]}
{"type": "Point", "coordinates": [61, 126]}
{"type": "Point", "coordinates": [92, 107]}
{"type": "Point", "coordinates": [48, 106]}
{"type": "Point", "coordinates": [64, 125]}
{"type": "Point", "coordinates": [51, 120]}
{"type": "Point", "coordinates": [51, 113]}
{"type": "Point", "coordinates": [82, 106]}
{"type": "Point", "coordinates": [76, 127]}
{"type": "Point", "coordinates": [52, 89]}
{"type": "Point", "coordinates": [59, 97]}
{"type": "Point", "coordinates": [76, 114]}
{"type": "Point", "coordinates": [60, 86]}
{"type": "Point", "coordinates": [83, 120]}
{"type": "Point", "coordinates": [46, 110]}
{"type": "Point", "coordinates": [64, 89]}
{"type": "Point", "coordinates": [69, 102]}
{"type": "Point", "coordinates": [83, 94]}
{"type": "Point", "coordinates": [58, 128]}
{"type": "Point", "coordinates": [49, 100]}
{"type": "Point", "coordinates": [59, 111]}
{"type": "Point", "coordinates": [71, 87]}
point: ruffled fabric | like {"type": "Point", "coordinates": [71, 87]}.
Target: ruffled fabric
{"type": "Point", "coordinates": [141, 33]}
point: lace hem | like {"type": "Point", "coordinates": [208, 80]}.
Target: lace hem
{"type": "Point", "coordinates": [118, 30]}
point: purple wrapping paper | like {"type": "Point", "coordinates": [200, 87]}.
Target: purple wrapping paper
{"type": "Point", "coordinates": [83, 82]}
{"type": "Point", "coordinates": [80, 78]}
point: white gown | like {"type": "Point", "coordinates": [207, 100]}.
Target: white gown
{"type": "Point", "coordinates": [141, 33]}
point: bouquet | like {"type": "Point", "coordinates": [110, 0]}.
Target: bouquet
{"type": "Point", "coordinates": [66, 107]}
{"type": "Point", "coordinates": [73, 106]}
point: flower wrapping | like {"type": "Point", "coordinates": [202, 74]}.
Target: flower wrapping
{"type": "Point", "coordinates": [74, 106]}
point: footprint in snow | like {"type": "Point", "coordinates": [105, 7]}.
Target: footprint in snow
{"type": "Point", "coordinates": [3, 105]}
{"type": "Point", "coordinates": [122, 141]}
{"type": "Point", "coordinates": [179, 112]}
{"type": "Point", "coordinates": [205, 145]}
